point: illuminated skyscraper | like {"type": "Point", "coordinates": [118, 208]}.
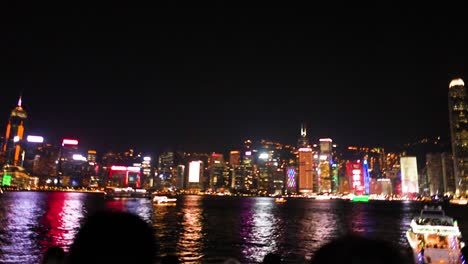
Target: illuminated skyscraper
{"type": "Point", "coordinates": [306, 164]}
{"type": "Point", "coordinates": [234, 157]}
{"type": "Point", "coordinates": [216, 169]}
{"type": "Point", "coordinates": [458, 117]}
{"type": "Point", "coordinates": [325, 161]}
{"type": "Point", "coordinates": [14, 135]}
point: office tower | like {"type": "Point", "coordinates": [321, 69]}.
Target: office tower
{"type": "Point", "coordinates": [14, 135]}
{"type": "Point", "coordinates": [458, 118]}
{"type": "Point", "coordinates": [234, 157]}
{"type": "Point", "coordinates": [325, 161]}
{"type": "Point", "coordinates": [306, 164]}
{"type": "Point", "coordinates": [166, 171]}
{"type": "Point", "coordinates": [409, 176]}
{"type": "Point", "coordinates": [195, 176]}
{"type": "Point", "coordinates": [216, 169]}
{"type": "Point", "coordinates": [91, 155]}
{"type": "Point", "coordinates": [439, 167]}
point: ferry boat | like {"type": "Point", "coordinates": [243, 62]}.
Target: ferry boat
{"type": "Point", "coordinates": [164, 200]}
{"type": "Point", "coordinates": [435, 237]}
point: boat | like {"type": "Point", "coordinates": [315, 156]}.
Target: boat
{"type": "Point", "coordinates": [117, 192]}
{"type": "Point", "coordinates": [280, 200]}
{"type": "Point", "coordinates": [435, 237]}
{"type": "Point", "coordinates": [459, 201]}
{"type": "Point", "coordinates": [164, 200]}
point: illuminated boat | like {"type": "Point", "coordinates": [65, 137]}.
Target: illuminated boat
{"type": "Point", "coordinates": [459, 201]}
{"type": "Point", "coordinates": [435, 237]}
{"type": "Point", "coordinates": [280, 200]}
{"type": "Point", "coordinates": [164, 200]}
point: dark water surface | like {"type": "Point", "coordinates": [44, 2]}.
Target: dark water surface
{"type": "Point", "coordinates": [207, 229]}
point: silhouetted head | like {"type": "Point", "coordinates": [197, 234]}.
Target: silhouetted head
{"type": "Point", "coordinates": [272, 258]}
{"type": "Point", "coordinates": [357, 249]}
{"type": "Point", "coordinates": [54, 255]}
{"type": "Point", "coordinates": [114, 237]}
{"type": "Point", "coordinates": [170, 259]}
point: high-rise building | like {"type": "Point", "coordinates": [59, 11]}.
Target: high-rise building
{"type": "Point", "coordinates": [216, 169]}
{"type": "Point", "coordinates": [14, 135]}
{"type": "Point", "coordinates": [234, 157]}
{"type": "Point", "coordinates": [458, 117]}
{"type": "Point", "coordinates": [325, 161]}
{"type": "Point", "coordinates": [306, 164]}
{"type": "Point", "coordinates": [409, 176]}
{"type": "Point", "coordinates": [440, 178]}
{"type": "Point", "coordinates": [91, 155]}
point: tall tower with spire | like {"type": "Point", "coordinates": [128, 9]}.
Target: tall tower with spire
{"type": "Point", "coordinates": [14, 134]}
{"type": "Point", "coordinates": [306, 164]}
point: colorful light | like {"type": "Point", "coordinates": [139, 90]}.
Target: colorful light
{"type": "Point", "coordinates": [291, 177]}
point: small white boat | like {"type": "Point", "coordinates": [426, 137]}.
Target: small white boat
{"type": "Point", "coordinates": [163, 200]}
{"type": "Point", "coordinates": [280, 200]}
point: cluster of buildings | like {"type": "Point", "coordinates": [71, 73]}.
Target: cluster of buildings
{"type": "Point", "coordinates": [257, 168]}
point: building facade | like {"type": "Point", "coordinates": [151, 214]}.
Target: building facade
{"type": "Point", "coordinates": [458, 118]}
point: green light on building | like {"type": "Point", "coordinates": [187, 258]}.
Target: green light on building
{"type": "Point", "coordinates": [6, 180]}
{"type": "Point", "coordinates": [361, 198]}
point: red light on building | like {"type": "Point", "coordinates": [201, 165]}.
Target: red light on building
{"type": "Point", "coordinates": [356, 177]}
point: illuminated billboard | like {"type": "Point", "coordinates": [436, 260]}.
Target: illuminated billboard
{"type": "Point", "coordinates": [35, 139]}
{"type": "Point", "coordinates": [194, 171]}
{"type": "Point", "coordinates": [409, 175]}
{"type": "Point", "coordinates": [355, 176]}
{"type": "Point", "coordinates": [67, 141]}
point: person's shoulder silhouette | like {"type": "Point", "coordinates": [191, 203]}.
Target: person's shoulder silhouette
{"type": "Point", "coordinates": [272, 258]}
{"type": "Point", "coordinates": [114, 237]}
{"type": "Point", "coordinates": [54, 255]}
{"type": "Point", "coordinates": [359, 249]}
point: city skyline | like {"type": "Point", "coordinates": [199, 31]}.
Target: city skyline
{"type": "Point", "coordinates": [133, 77]}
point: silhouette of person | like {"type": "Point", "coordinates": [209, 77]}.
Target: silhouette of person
{"type": "Point", "coordinates": [272, 258]}
{"type": "Point", "coordinates": [170, 259]}
{"type": "Point", "coordinates": [114, 237]}
{"type": "Point", "coordinates": [54, 255]}
{"type": "Point", "coordinates": [357, 249]}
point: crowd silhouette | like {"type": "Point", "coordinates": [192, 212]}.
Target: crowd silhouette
{"type": "Point", "coordinates": [122, 237]}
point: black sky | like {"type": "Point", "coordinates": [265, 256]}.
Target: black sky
{"type": "Point", "coordinates": [203, 79]}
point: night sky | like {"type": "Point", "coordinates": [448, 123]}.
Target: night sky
{"type": "Point", "coordinates": [204, 79]}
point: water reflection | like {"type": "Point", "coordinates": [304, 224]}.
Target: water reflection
{"type": "Point", "coordinates": [138, 206]}
{"type": "Point", "coordinates": [261, 230]}
{"type": "Point", "coordinates": [32, 222]}
{"type": "Point", "coordinates": [206, 229]}
{"type": "Point", "coordinates": [61, 219]}
{"type": "Point", "coordinates": [319, 223]}
{"type": "Point", "coordinates": [190, 240]}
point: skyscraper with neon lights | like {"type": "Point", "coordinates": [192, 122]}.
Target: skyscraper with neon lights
{"type": "Point", "coordinates": [458, 118]}
{"type": "Point", "coordinates": [14, 135]}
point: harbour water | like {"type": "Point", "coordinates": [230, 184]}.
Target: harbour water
{"type": "Point", "coordinates": [207, 229]}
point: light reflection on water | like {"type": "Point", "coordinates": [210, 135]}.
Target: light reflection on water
{"type": "Point", "coordinates": [207, 229]}
{"type": "Point", "coordinates": [260, 228]}
{"type": "Point", "coordinates": [32, 222]}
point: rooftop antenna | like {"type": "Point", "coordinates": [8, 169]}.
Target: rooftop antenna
{"type": "Point", "coordinates": [20, 101]}
{"type": "Point", "coordinates": [303, 130]}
